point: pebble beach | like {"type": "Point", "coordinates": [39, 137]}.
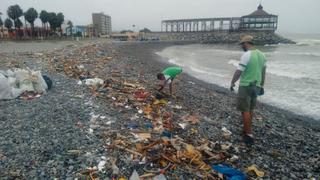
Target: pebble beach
{"type": "Point", "coordinates": [79, 131]}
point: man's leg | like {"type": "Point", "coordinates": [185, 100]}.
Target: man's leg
{"type": "Point", "coordinates": [170, 87]}
{"type": "Point", "coordinates": [247, 122]}
{"type": "Point", "coordinates": [244, 104]}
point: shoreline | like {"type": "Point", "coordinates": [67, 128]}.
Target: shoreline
{"type": "Point", "coordinates": [297, 118]}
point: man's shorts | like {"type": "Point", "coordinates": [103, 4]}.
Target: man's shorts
{"type": "Point", "coordinates": [247, 98]}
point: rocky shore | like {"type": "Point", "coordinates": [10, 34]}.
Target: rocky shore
{"type": "Point", "coordinates": [260, 38]}
{"type": "Point", "coordinates": [111, 130]}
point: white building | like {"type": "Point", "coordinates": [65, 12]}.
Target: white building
{"type": "Point", "coordinates": [101, 24]}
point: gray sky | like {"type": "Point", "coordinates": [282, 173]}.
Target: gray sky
{"type": "Point", "coordinates": [297, 16]}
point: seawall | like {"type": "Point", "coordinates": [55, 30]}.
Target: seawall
{"type": "Point", "coordinates": [217, 37]}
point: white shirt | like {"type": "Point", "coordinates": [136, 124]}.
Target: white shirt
{"type": "Point", "coordinates": [244, 60]}
{"type": "Point", "coordinates": [168, 79]}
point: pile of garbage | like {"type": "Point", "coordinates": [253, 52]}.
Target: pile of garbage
{"type": "Point", "coordinates": [23, 83]}
{"type": "Point", "coordinates": [154, 137]}
{"type": "Point", "coordinates": [82, 62]}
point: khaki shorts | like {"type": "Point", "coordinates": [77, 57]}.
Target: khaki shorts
{"type": "Point", "coordinates": [247, 98]}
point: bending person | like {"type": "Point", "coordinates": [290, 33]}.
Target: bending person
{"type": "Point", "coordinates": [167, 76]}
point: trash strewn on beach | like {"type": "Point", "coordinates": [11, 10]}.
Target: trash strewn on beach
{"type": "Point", "coordinates": [105, 120]}
{"type": "Point", "coordinates": [152, 138]}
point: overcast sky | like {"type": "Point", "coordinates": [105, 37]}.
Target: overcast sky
{"type": "Point", "coordinates": [296, 16]}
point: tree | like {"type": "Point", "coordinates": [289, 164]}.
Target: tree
{"type": "Point", "coordinates": [18, 24]}
{"type": "Point", "coordinates": [145, 30]}
{"type": "Point", "coordinates": [44, 17]}
{"type": "Point", "coordinates": [15, 12]}
{"type": "Point", "coordinates": [55, 20]}
{"type": "Point", "coordinates": [8, 24]}
{"type": "Point", "coordinates": [126, 31]}
{"type": "Point", "coordinates": [60, 20]}
{"type": "Point", "coordinates": [1, 22]}
{"type": "Point", "coordinates": [31, 15]}
{"type": "Point", "coordinates": [52, 17]}
{"type": "Point", "coordinates": [70, 24]}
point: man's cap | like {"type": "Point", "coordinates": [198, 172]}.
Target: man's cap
{"type": "Point", "coordinates": [246, 38]}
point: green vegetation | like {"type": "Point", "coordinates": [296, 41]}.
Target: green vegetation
{"type": "Point", "coordinates": [8, 24]}
{"type": "Point", "coordinates": [51, 21]}
{"type": "Point", "coordinates": [70, 26]}
{"type": "Point", "coordinates": [145, 30]}
{"type": "Point", "coordinates": [31, 15]}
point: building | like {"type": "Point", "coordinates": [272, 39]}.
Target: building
{"type": "Point", "coordinates": [127, 36]}
{"type": "Point", "coordinates": [90, 31]}
{"type": "Point", "coordinates": [101, 24]}
{"type": "Point", "coordinates": [259, 20]}
{"type": "Point", "coordinates": [79, 31]}
{"type": "Point", "coordinates": [64, 27]}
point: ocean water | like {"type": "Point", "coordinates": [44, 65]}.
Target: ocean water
{"type": "Point", "coordinates": [293, 71]}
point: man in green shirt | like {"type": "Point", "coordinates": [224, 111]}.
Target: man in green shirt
{"type": "Point", "coordinates": [251, 71]}
{"type": "Point", "coordinates": [167, 76]}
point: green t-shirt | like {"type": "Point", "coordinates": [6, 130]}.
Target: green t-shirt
{"type": "Point", "coordinates": [252, 63]}
{"type": "Point", "coordinates": [172, 71]}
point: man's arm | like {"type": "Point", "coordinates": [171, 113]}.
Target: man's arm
{"type": "Point", "coordinates": [244, 60]}
{"type": "Point", "coordinates": [263, 75]}
{"type": "Point", "coordinates": [162, 84]}
{"type": "Point", "coordinates": [235, 78]}
{"type": "Point", "coordinates": [170, 88]}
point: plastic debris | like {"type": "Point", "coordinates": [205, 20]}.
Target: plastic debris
{"type": "Point", "coordinates": [93, 82]}
{"type": "Point", "coordinates": [142, 136]}
{"type": "Point", "coordinates": [101, 165]}
{"type": "Point", "coordinates": [234, 158]}
{"type": "Point", "coordinates": [159, 177]}
{"type": "Point", "coordinates": [254, 168]}
{"type": "Point", "coordinates": [177, 107]}
{"type": "Point", "coordinates": [161, 101]}
{"type": "Point", "coordinates": [115, 169]}
{"type": "Point", "coordinates": [191, 119]}
{"type": "Point", "coordinates": [183, 125]}
{"type": "Point", "coordinates": [226, 133]}
{"type": "Point", "coordinates": [230, 173]}
{"type": "Point", "coordinates": [134, 176]}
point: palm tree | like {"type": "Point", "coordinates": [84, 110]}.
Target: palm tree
{"type": "Point", "coordinates": [60, 20]}
{"type": "Point", "coordinates": [44, 19]}
{"type": "Point", "coordinates": [70, 24]}
{"type": "Point", "coordinates": [52, 19]}
{"type": "Point", "coordinates": [31, 15]}
{"type": "Point", "coordinates": [8, 24]}
{"type": "Point", "coordinates": [15, 12]}
{"type": "Point", "coordinates": [1, 24]}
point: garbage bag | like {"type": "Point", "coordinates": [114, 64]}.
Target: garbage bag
{"type": "Point", "coordinates": [230, 173]}
{"type": "Point", "coordinates": [29, 80]}
{"type": "Point", "coordinates": [5, 88]}
{"type": "Point", "coordinates": [48, 81]}
{"type": "Point", "coordinates": [14, 83]}
{"type": "Point", "coordinates": [93, 82]}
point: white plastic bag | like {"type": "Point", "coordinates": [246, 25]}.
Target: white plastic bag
{"type": "Point", "coordinates": [5, 88]}
{"type": "Point", "coordinates": [14, 83]}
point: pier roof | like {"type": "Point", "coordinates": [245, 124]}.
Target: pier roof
{"type": "Point", "coordinates": [260, 12]}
